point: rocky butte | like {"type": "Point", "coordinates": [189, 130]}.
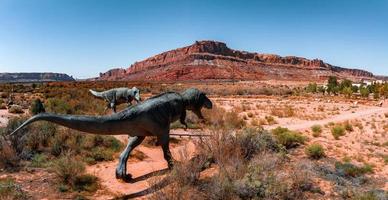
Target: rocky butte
{"type": "Point", "coordinates": [212, 60]}
{"type": "Point", "coordinates": [34, 77]}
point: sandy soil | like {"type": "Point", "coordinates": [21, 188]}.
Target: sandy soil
{"type": "Point", "coordinates": [363, 145]}
{"type": "Point", "coordinates": [153, 166]}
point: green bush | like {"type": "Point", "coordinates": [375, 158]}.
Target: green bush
{"type": "Point", "coordinates": [37, 107]}
{"type": "Point", "coordinates": [311, 88]}
{"type": "Point", "coordinates": [287, 138]}
{"type": "Point", "coordinates": [67, 168]}
{"type": "Point", "coordinates": [364, 92]}
{"type": "Point", "coordinates": [315, 151]}
{"type": "Point", "coordinates": [101, 154]}
{"type": "Point", "coordinates": [10, 190]}
{"type": "Point", "coordinates": [317, 130]}
{"type": "Point", "coordinates": [270, 120]}
{"type": "Point", "coordinates": [348, 127]}
{"type": "Point", "coordinates": [39, 161]}
{"type": "Point", "coordinates": [56, 105]}
{"type": "Point", "coordinates": [253, 140]}
{"type": "Point", "coordinates": [348, 169]}
{"type": "Point", "coordinates": [338, 131]}
{"type": "Point", "coordinates": [85, 182]}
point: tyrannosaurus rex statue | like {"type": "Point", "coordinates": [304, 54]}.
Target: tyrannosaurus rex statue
{"type": "Point", "coordinates": [148, 118]}
{"type": "Point", "coordinates": [118, 96]}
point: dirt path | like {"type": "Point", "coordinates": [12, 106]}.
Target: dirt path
{"type": "Point", "coordinates": [140, 170]}
{"type": "Point", "coordinates": [4, 117]}
{"type": "Point", "coordinates": [339, 118]}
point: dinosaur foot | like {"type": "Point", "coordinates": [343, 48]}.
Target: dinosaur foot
{"type": "Point", "coordinates": [125, 177]}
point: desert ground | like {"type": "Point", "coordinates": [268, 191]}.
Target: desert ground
{"type": "Point", "coordinates": [361, 143]}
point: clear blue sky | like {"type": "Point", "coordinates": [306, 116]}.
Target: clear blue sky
{"type": "Point", "coordinates": [85, 37]}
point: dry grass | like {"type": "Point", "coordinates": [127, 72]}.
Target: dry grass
{"type": "Point", "coordinates": [283, 111]}
{"type": "Point", "coordinates": [247, 167]}
{"type": "Point", "coordinates": [16, 109]}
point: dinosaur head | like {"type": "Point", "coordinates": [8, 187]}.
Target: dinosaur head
{"type": "Point", "coordinates": [195, 100]}
{"type": "Point", "coordinates": [136, 94]}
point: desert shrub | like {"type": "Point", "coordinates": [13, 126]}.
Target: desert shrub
{"type": "Point", "coordinates": [67, 168]}
{"type": "Point", "coordinates": [347, 91]}
{"type": "Point", "coordinates": [311, 88]}
{"type": "Point", "coordinates": [270, 120]}
{"type": "Point", "coordinates": [4, 95]}
{"type": "Point", "coordinates": [283, 111]}
{"type": "Point", "coordinates": [10, 190]}
{"type": "Point", "coordinates": [348, 127]}
{"type": "Point", "coordinates": [338, 131]}
{"type": "Point", "coordinates": [218, 117]}
{"type": "Point", "coordinates": [317, 130]}
{"type": "Point", "coordinates": [315, 151]}
{"type": "Point", "coordinates": [8, 157]}
{"type": "Point", "coordinates": [253, 141]}
{"type": "Point", "coordinates": [250, 115]}
{"type": "Point", "coordinates": [287, 138]}
{"type": "Point", "coordinates": [56, 105]}
{"type": "Point", "coordinates": [177, 125]}
{"type": "Point", "coordinates": [365, 196]}
{"type": "Point", "coordinates": [232, 120]}
{"type": "Point", "coordinates": [16, 109]}
{"type": "Point", "coordinates": [85, 182]}
{"type": "Point", "coordinates": [39, 161]}
{"type": "Point", "coordinates": [37, 107]}
{"type": "Point", "coordinates": [349, 169]}
{"type": "Point", "coordinates": [39, 135]}
{"type": "Point", "coordinates": [364, 92]}
{"type": "Point", "coordinates": [101, 154]}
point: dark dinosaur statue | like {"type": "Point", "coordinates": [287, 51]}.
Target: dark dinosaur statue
{"type": "Point", "coordinates": [149, 118]}
{"type": "Point", "coordinates": [118, 96]}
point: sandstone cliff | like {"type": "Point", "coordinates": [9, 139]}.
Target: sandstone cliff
{"type": "Point", "coordinates": [212, 60]}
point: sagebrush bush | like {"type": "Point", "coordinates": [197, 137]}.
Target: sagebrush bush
{"type": "Point", "coordinates": [287, 138]}
{"type": "Point", "coordinates": [315, 151]}
{"type": "Point", "coordinates": [16, 109]}
{"type": "Point", "coordinates": [85, 182]}
{"type": "Point", "coordinates": [317, 130]}
{"type": "Point", "coordinates": [10, 190]}
{"type": "Point", "coordinates": [348, 127]}
{"type": "Point", "coordinates": [37, 107]}
{"type": "Point", "coordinates": [56, 105]}
{"type": "Point", "coordinates": [39, 160]}
{"type": "Point", "coordinates": [337, 131]}
{"type": "Point", "coordinates": [66, 169]}
{"type": "Point", "coordinates": [218, 117]}
{"type": "Point", "coordinates": [270, 120]}
{"type": "Point", "coordinates": [253, 141]}
{"type": "Point", "coordinates": [8, 157]}
{"type": "Point", "coordinates": [349, 169]}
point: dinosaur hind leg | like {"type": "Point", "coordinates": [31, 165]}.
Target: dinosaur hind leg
{"type": "Point", "coordinates": [164, 141]}
{"type": "Point", "coordinates": [121, 169]}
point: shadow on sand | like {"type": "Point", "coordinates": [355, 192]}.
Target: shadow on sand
{"type": "Point", "coordinates": [161, 184]}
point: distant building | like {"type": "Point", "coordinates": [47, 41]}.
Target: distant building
{"type": "Point", "coordinates": [379, 81]}
{"type": "Point", "coordinates": [356, 84]}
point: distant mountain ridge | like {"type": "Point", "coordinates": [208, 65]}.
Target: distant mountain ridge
{"type": "Point", "coordinates": [34, 77]}
{"type": "Point", "coordinates": [212, 60]}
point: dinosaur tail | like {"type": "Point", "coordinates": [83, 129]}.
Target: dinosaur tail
{"type": "Point", "coordinates": [95, 93]}
{"type": "Point", "coordinates": [104, 125]}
